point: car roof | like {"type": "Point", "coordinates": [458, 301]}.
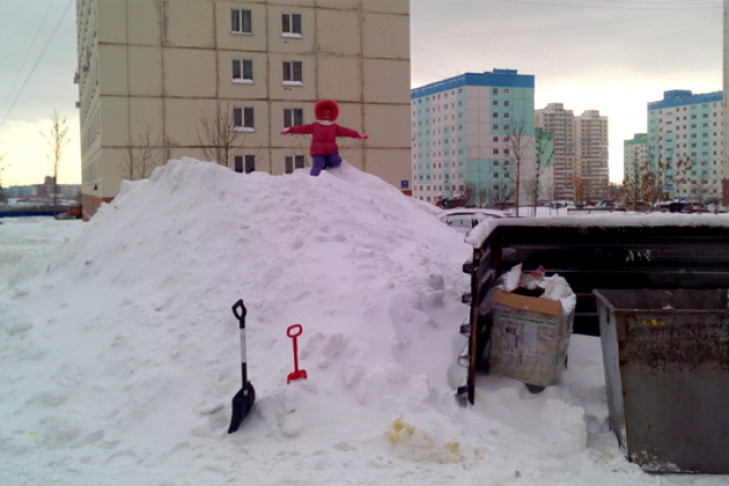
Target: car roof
{"type": "Point", "coordinates": [489, 212]}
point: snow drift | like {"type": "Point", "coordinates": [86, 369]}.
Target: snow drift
{"type": "Point", "coordinates": [120, 350]}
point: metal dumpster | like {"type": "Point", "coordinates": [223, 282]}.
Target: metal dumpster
{"type": "Point", "coordinates": [666, 355]}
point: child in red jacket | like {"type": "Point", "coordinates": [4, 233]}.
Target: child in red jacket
{"type": "Point", "coordinates": [324, 150]}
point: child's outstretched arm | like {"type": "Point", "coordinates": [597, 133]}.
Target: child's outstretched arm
{"type": "Point", "coordinates": [299, 129]}
{"type": "Point", "coordinates": [348, 132]}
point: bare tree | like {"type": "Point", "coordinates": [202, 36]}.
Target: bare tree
{"type": "Point", "coordinates": [218, 136]}
{"type": "Point", "coordinates": [544, 152]}
{"type": "Point", "coordinates": [141, 160]}
{"type": "Point", "coordinates": [518, 145]}
{"type": "Point", "coordinates": [682, 177]}
{"type": "Point", "coordinates": [58, 141]}
{"type": "Point", "coordinates": [501, 196]}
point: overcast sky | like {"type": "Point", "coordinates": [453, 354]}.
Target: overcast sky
{"type": "Point", "coordinates": [614, 56]}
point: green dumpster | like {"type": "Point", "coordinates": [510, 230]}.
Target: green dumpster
{"type": "Point", "coordinates": [666, 356]}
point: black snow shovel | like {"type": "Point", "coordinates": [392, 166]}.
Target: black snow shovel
{"type": "Point", "coordinates": [243, 400]}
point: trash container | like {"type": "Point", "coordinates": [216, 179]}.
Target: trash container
{"type": "Point", "coordinates": [530, 334]}
{"type": "Point", "coordinates": [666, 356]}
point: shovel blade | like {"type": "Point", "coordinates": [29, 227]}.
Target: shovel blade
{"type": "Point", "coordinates": [296, 375]}
{"type": "Point", "coordinates": [242, 404]}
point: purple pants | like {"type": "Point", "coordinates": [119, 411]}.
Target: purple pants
{"type": "Point", "coordinates": [322, 162]}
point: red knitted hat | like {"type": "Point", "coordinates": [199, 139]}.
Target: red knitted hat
{"type": "Point", "coordinates": [329, 105]}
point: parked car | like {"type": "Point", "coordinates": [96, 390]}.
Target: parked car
{"type": "Point", "coordinates": [463, 219]}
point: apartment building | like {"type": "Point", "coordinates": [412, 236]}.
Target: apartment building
{"type": "Point", "coordinates": [554, 118]}
{"type": "Point", "coordinates": [635, 156]}
{"type": "Point", "coordinates": [470, 133]}
{"type": "Point", "coordinates": [580, 152]}
{"type": "Point", "coordinates": [685, 137]}
{"type": "Point", "coordinates": [152, 74]}
{"type": "Point", "coordinates": [592, 170]}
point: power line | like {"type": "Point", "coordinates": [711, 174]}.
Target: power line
{"type": "Point", "coordinates": [37, 62]}
{"type": "Point", "coordinates": [27, 54]}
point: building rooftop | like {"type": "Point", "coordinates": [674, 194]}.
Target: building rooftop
{"type": "Point", "coordinates": [680, 97]}
{"type": "Point", "coordinates": [507, 78]}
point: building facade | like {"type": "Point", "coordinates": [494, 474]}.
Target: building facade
{"type": "Point", "coordinates": [470, 134]}
{"type": "Point", "coordinates": [154, 75]}
{"type": "Point", "coordinates": [635, 156]}
{"type": "Point", "coordinates": [554, 118]}
{"type": "Point", "coordinates": [725, 160]}
{"type": "Point", "coordinates": [592, 170]}
{"type": "Point", "coordinates": [685, 138]}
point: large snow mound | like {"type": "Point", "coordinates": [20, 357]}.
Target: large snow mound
{"type": "Point", "coordinates": [120, 352]}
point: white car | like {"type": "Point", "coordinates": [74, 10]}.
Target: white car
{"type": "Point", "coordinates": [463, 219]}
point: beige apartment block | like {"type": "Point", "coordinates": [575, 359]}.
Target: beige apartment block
{"type": "Point", "coordinates": [592, 170]}
{"type": "Point", "coordinates": [151, 72]}
{"type": "Point", "coordinates": [560, 122]}
{"type": "Point", "coordinates": [725, 105]}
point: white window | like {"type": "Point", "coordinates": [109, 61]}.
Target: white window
{"type": "Point", "coordinates": [243, 119]}
{"type": "Point", "coordinates": [293, 116]}
{"type": "Point", "coordinates": [242, 71]}
{"type": "Point", "coordinates": [245, 163]}
{"type": "Point", "coordinates": [294, 162]}
{"type": "Point", "coordinates": [292, 73]}
{"type": "Point", "coordinates": [291, 25]}
{"type": "Point", "coordinates": [240, 21]}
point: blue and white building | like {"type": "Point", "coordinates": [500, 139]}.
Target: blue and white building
{"type": "Point", "coordinates": [685, 136]}
{"type": "Point", "coordinates": [463, 138]}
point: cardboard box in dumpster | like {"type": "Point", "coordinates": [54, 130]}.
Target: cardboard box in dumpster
{"type": "Point", "coordinates": [529, 337]}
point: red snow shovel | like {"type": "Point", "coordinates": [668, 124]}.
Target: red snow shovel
{"type": "Point", "coordinates": [243, 400]}
{"type": "Point", "coordinates": [293, 332]}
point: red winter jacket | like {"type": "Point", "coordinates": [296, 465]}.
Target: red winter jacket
{"type": "Point", "coordinates": [324, 136]}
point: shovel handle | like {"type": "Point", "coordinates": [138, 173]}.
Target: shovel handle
{"type": "Point", "coordinates": [239, 311]}
{"type": "Point", "coordinates": [294, 331]}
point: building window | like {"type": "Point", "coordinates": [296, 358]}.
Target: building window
{"type": "Point", "coordinates": [245, 163]}
{"type": "Point", "coordinates": [291, 25]}
{"type": "Point", "coordinates": [292, 73]}
{"type": "Point", "coordinates": [242, 71]}
{"type": "Point", "coordinates": [294, 162]}
{"type": "Point", "coordinates": [240, 21]}
{"type": "Point", "coordinates": [243, 119]}
{"type": "Point", "coordinates": [293, 116]}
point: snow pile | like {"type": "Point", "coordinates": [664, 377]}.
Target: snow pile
{"type": "Point", "coordinates": [120, 350]}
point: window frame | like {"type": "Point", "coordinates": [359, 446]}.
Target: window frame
{"type": "Point", "coordinates": [289, 25]}
{"type": "Point", "coordinates": [290, 73]}
{"type": "Point", "coordinates": [240, 19]}
{"type": "Point", "coordinates": [247, 119]}
{"type": "Point", "coordinates": [293, 117]}
{"type": "Point", "coordinates": [247, 163]}
{"type": "Point", "coordinates": [293, 162]}
{"type": "Point", "coordinates": [241, 65]}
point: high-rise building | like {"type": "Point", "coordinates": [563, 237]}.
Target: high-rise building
{"type": "Point", "coordinates": [580, 156]}
{"type": "Point", "coordinates": [473, 136]}
{"type": "Point", "coordinates": [155, 77]}
{"type": "Point", "coordinates": [561, 123]}
{"type": "Point", "coordinates": [685, 143]}
{"type": "Point", "coordinates": [635, 156]}
{"type": "Point", "coordinates": [592, 170]}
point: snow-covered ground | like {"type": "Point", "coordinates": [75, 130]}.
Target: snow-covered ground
{"type": "Point", "coordinates": [120, 352]}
